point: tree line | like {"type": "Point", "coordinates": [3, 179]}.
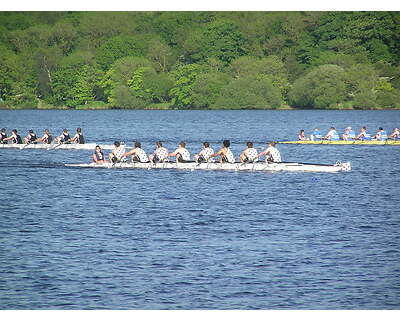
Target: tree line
{"type": "Point", "coordinates": [210, 60]}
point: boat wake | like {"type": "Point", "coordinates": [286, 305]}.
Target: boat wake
{"type": "Point", "coordinates": [29, 165]}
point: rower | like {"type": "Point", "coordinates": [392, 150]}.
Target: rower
{"type": "Point", "coordinates": [137, 153]}
{"type": "Point", "coordinates": [181, 154]}
{"type": "Point", "coordinates": [46, 138]}
{"type": "Point", "coordinates": [316, 135]}
{"type": "Point", "coordinates": [271, 154]}
{"type": "Point", "coordinates": [31, 137]}
{"type": "Point", "coordinates": [78, 137]}
{"type": "Point", "coordinates": [98, 155]}
{"type": "Point", "coordinates": [363, 135]}
{"type": "Point", "coordinates": [395, 134]}
{"type": "Point", "coordinates": [117, 155]}
{"type": "Point", "coordinates": [64, 137]}
{"type": "Point", "coordinates": [160, 154]}
{"type": "Point", "coordinates": [301, 136]}
{"type": "Point", "coordinates": [3, 135]}
{"type": "Point", "coordinates": [205, 154]}
{"type": "Point", "coordinates": [332, 135]}
{"type": "Point", "coordinates": [249, 155]}
{"type": "Point", "coordinates": [380, 135]}
{"type": "Point", "coordinates": [15, 137]}
{"type": "Point", "coordinates": [225, 153]}
{"type": "Point", "coordinates": [348, 134]}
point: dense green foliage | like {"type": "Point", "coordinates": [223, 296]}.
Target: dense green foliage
{"type": "Point", "coordinates": [200, 59]}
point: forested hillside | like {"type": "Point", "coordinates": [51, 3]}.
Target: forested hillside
{"type": "Point", "coordinates": [211, 60]}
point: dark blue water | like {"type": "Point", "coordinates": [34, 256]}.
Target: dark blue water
{"type": "Point", "coordinates": [165, 239]}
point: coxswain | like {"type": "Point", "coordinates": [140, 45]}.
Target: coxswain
{"type": "Point", "coordinates": [46, 138]}
{"type": "Point", "coordinates": [316, 135]}
{"type": "Point", "coordinates": [395, 134]}
{"type": "Point", "coordinates": [15, 137]}
{"type": "Point", "coordinates": [64, 137]}
{"type": "Point", "coordinates": [137, 153]}
{"type": "Point", "coordinates": [160, 154]}
{"type": "Point", "coordinates": [301, 136]}
{"type": "Point", "coordinates": [271, 154]}
{"type": "Point", "coordinates": [181, 154]}
{"type": "Point", "coordinates": [31, 137]}
{"type": "Point", "coordinates": [78, 137]}
{"type": "Point", "coordinates": [98, 155]}
{"type": "Point", "coordinates": [363, 135]}
{"type": "Point", "coordinates": [3, 135]}
{"type": "Point", "coordinates": [249, 155]}
{"type": "Point", "coordinates": [225, 153]}
{"type": "Point", "coordinates": [380, 135]}
{"type": "Point", "coordinates": [348, 134]}
{"type": "Point", "coordinates": [205, 154]}
{"type": "Point", "coordinates": [332, 135]}
{"type": "Point", "coordinates": [117, 155]}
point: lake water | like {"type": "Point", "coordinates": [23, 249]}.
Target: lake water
{"type": "Point", "coordinates": [75, 238]}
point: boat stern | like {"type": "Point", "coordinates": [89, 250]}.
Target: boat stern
{"type": "Point", "coordinates": [345, 166]}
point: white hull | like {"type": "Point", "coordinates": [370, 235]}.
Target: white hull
{"type": "Point", "coordinates": [55, 146]}
{"type": "Point", "coordinates": [259, 166]}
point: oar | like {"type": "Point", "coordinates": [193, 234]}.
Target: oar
{"type": "Point", "coordinates": [59, 144]}
{"type": "Point", "coordinates": [114, 163]}
{"type": "Point", "coordinates": [27, 144]}
{"type": "Point", "coordinates": [51, 145]}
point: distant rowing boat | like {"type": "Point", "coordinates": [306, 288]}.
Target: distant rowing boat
{"type": "Point", "coordinates": [86, 146]}
{"type": "Point", "coordinates": [258, 166]}
{"type": "Point", "coordinates": [363, 142]}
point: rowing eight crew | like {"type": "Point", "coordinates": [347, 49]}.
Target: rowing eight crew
{"type": "Point", "coordinates": [349, 134]}
{"type": "Point", "coordinates": [181, 154]}
{"type": "Point", "coordinates": [45, 139]}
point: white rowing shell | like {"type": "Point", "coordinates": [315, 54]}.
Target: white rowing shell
{"type": "Point", "coordinates": [86, 146]}
{"type": "Point", "coordinates": [259, 166]}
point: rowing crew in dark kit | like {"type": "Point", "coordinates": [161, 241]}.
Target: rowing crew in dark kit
{"type": "Point", "coordinates": [47, 138]}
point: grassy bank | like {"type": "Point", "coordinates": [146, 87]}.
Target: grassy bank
{"type": "Point", "coordinates": [98, 105]}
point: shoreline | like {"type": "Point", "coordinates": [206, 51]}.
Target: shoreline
{"type": "Point", "coordinates": [155, 107]}
{"type": "Point", "coordinates": [199, 109]}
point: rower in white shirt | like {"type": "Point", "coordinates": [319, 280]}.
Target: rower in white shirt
{"type": "Point", "coordinates": [271, 154]}
{"type": "Point", "coordinates": [160, 154]}
{"type": "Point", "coordinates": [348, 134]}
{"type": "Point", "coordinates": [249, 154]}
{"type": "Point", "coordinates": [137, 153]}
{"type": "Point", "coordinates": [117, 155]}
{"type": "Point", "coordinates": [332, 135]}
{"type": "Point", "coordinates": [205, 154]}
{"type": "Point", "coordinates": [395, 134]}
{"type": "Point", "coordinates": [225, 153]}
{"type": "Point", "coordinates": [181, 153]}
